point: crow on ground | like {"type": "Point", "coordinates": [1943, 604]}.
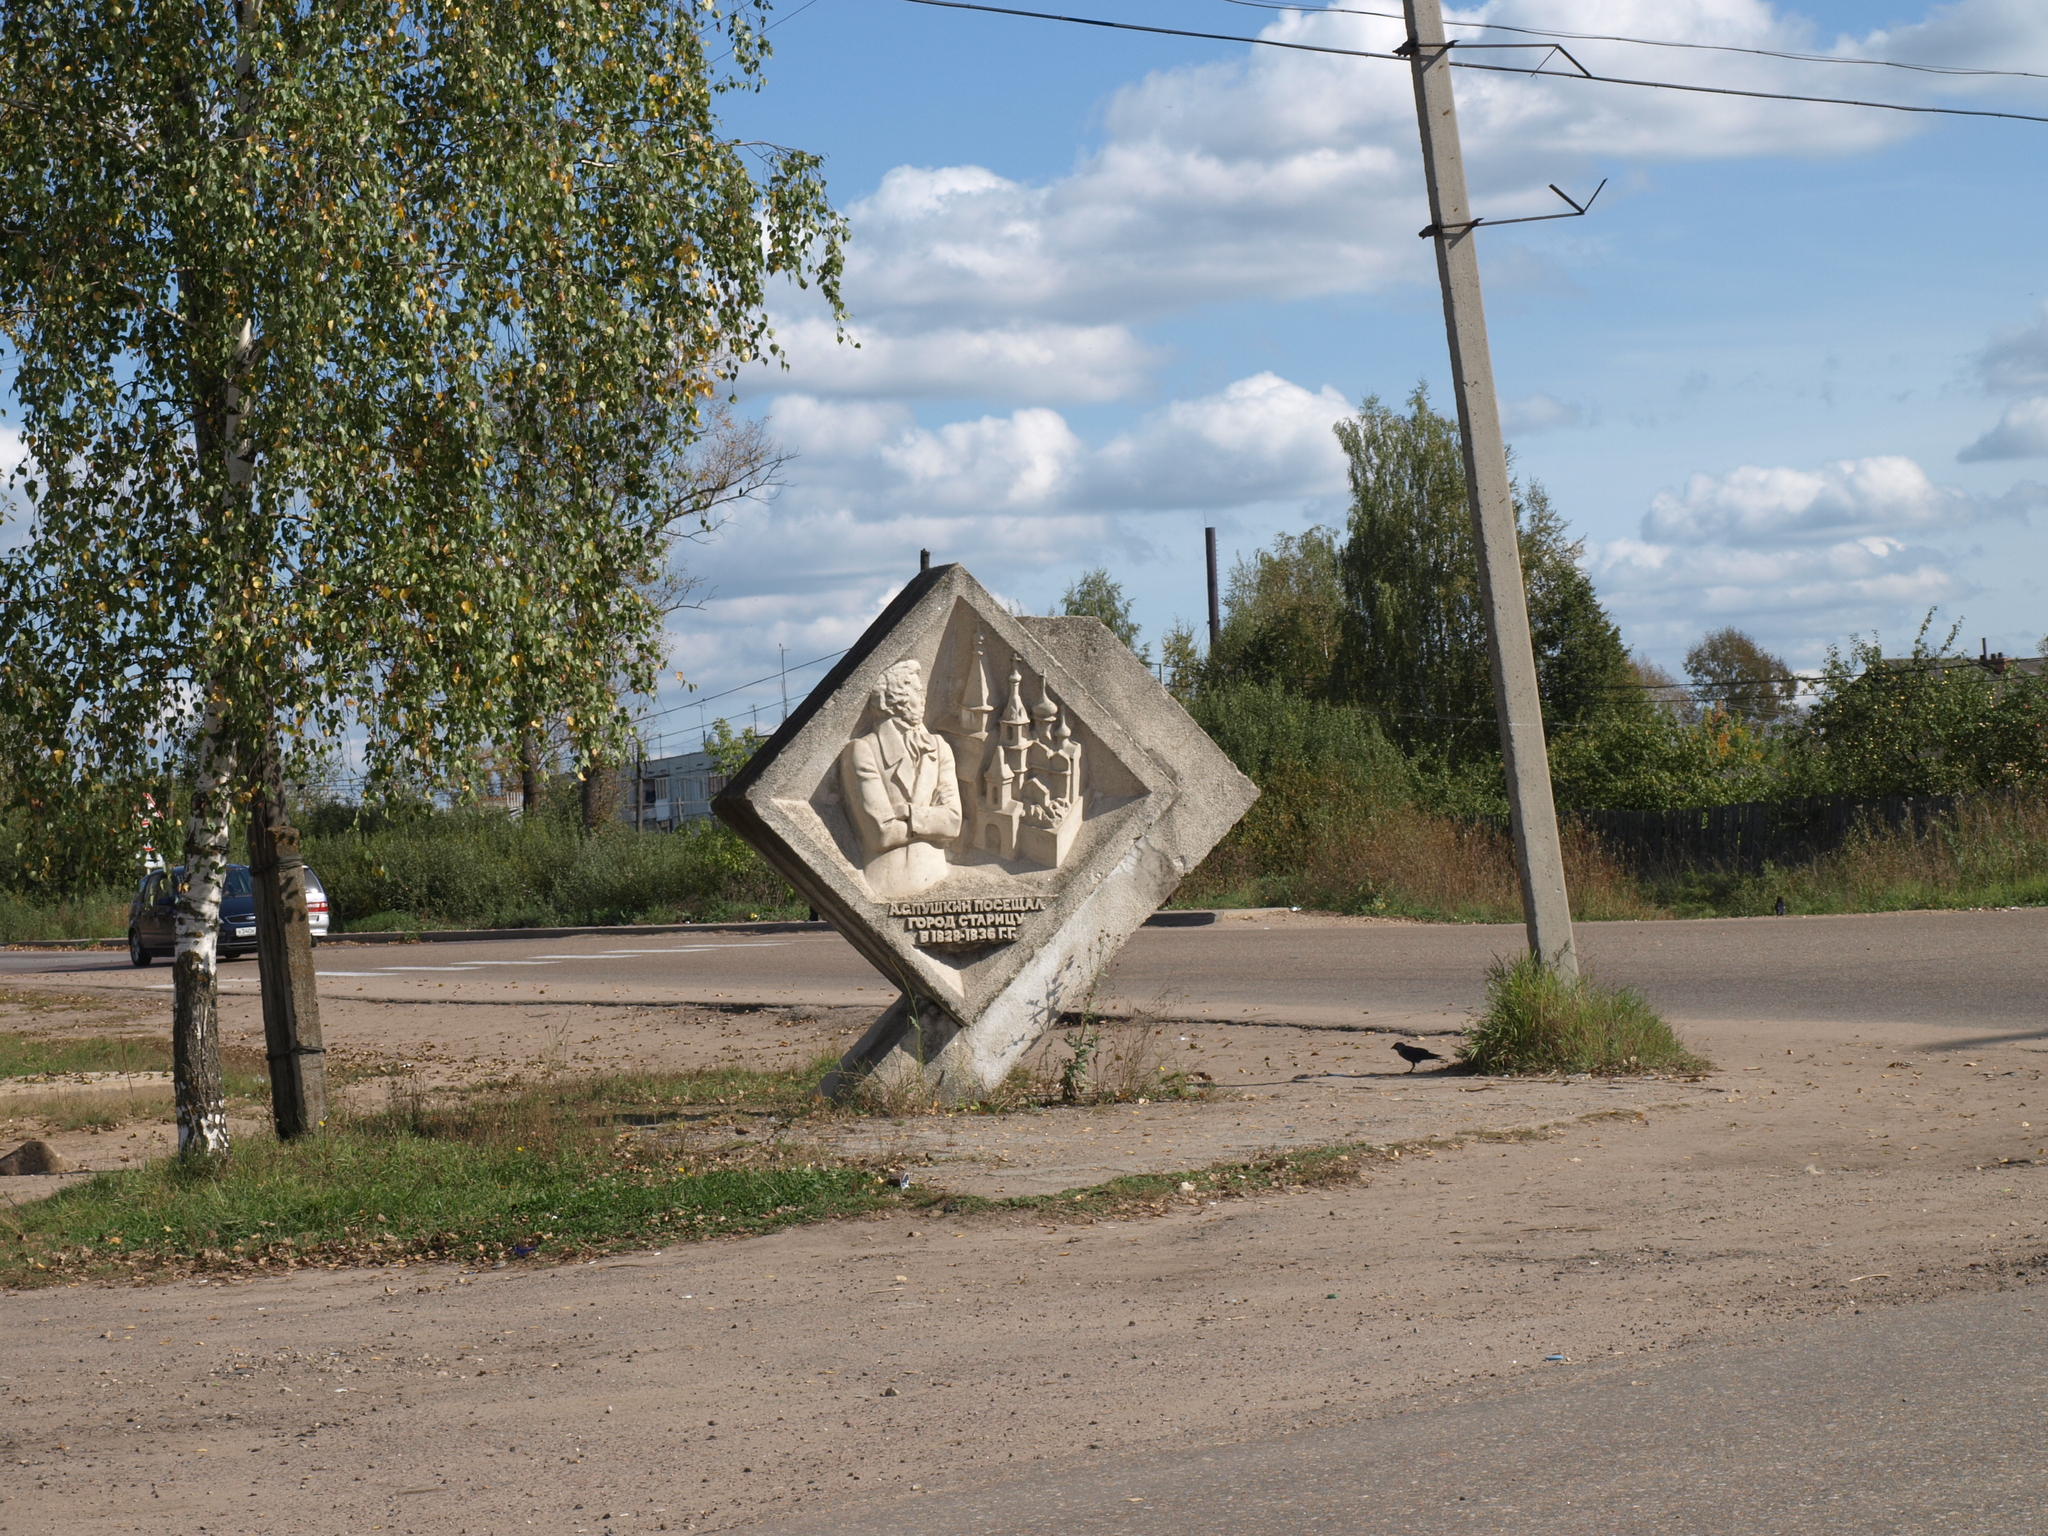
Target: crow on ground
{"type": "Point", "coordinates": [1414, 1055]}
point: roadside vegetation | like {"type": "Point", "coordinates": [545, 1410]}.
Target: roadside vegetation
{"type": "Point", "coordinates": [409, 866]}
{"type": "Point", "coordinates": [49, 1067]}
{"type": "Point", "coordinates": [558, 1171]}
{"type": "Point", "coordinates": [92, 913]}
{"type": "Point", "coordinates": [1987, 852]}
{"type": "Point", "coordinates": [1350, 682]}
{"type": "Point", "coordinates": [566, 1165]}
{"type": "Point", "coordinates": [1537, 1021]}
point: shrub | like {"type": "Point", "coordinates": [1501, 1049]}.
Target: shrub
{"type": "Point", "coordinates": [484, 869]}
{"type": "Point", "coordinates": [91, 915]}
{"type": "Point", "coordinates": [1538, 1021]}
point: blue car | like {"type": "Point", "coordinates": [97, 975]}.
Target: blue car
{"type": "Point", "coordinates": [153, 917]}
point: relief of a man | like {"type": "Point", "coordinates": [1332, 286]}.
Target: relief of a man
{"type": "Point", "coordinates": [900, 790]}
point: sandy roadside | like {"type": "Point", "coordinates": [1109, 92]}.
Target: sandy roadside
{"type": "Point", "coordinates": [718, 1384]}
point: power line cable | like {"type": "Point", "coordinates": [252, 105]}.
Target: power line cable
{"type": "Point", "coordinates": [778, 21]}
{"type": "Point", "coordinates": [1650, 42]}
{"type": "Point", "coordinates": [1495, 69]}
{"type": "Point", "coordinates": [738, 688]}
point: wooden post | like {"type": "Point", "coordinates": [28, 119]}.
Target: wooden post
{"type": "Point", "coordinates": [284, 960]}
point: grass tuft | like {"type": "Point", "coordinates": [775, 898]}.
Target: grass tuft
{"type": "Point", "coordinates": [1537, 1021]}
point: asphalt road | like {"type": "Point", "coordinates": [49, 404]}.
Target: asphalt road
{"type": "Point", "coordinates": [1977, 971]}
{"type": "Point", "coordinates": [1981, 974]}
{"type": "Point", "coordinates": [1893, 1423]}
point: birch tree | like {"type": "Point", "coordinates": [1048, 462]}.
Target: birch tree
{"type": "Point", "coordinates": [286, 287]}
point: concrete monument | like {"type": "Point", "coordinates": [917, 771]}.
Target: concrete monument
{"type": "Point", "coordinates": [986, 806]}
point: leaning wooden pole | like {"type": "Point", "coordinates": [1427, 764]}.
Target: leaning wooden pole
{"type": "Point", "coordinates": [284, 958]}
{"type": "Point", "coordinates": [1539, 856]}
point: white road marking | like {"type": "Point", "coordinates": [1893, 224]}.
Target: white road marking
{"type": "Point", "coordinates": [597, 954]}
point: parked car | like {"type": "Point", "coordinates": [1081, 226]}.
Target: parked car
{"type": "Point", "coordinates": [153, 917]}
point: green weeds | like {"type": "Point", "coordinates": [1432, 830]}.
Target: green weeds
{"type": "Point", "coordinates": [1538, 1021]}
{"type": "Point", "coordinates": [38, 1056]}
{"type": "Point", "coordinates": [383, 1190]}
{"type": "Point", "coordinates": [90, 915]}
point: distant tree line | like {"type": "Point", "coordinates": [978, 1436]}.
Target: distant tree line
{"type": "Point", "coordinates": [1380, 621]}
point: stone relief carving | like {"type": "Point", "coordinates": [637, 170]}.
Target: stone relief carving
{"type": "Point", "coordinates": [1026, 801]}
{"type": "Point", "coordinates": [923, 801]}
{"type": "Point", "coordinates": [902, 790]}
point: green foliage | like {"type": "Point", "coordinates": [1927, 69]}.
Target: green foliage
{"type": "Point", "coordinates": [1082, 1044]}
{"type": "Point", "coordinates": [1538, 1021]}
{"type": "Point", "coordinates": [1932, 723]}
{"type": "Point", "coordinates": [1990, 851]}
{"type": "Point", "coordinates": [1283, 616]}
{"type": "Point", "coordinates": [731, 751]}
{"type": "Point", "coordinates": [88, 915]}
{"type": "Point", "coordinates": [308, 306]}
{"type": "Point", "coordinates": [35, 1055]}
{"type": "Point", "coordinates": [483, 869]}
{"type": "Point", "coordinates": [1096, 596]}
{"type": "Point", "coordinates": [1271, 731]}
{"type": "Point", "coordinates": [382, 1189]}
{"type": "Point", "coordinates": [1414, 649]}
{"type": "Point", "coordinates": [1583, 671]}
{"type": "Point", "coordinates": [1655, 761]}
{"type": "Point", "coordinates": [1182, 661]}
{"type": "Point", "coordinates": [1322, 769]}
{"type": "Point", "coordinates": [1415, 644]}
{"type": "Point", "coordinates": [1732, 673]}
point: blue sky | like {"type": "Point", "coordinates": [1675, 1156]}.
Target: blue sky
{"type": "Point", "coordinates": [1792, 374]}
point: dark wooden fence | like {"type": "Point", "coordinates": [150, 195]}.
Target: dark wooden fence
{"type": "Point", "coordinates": [1744, 838]}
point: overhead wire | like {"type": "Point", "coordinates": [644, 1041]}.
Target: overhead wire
{"type": "Point", "coordinates": [1650, 42]}
{"type": "Point", "coordinates": [1458, 63]}
{"type": "Point", "coordinates": [737, 688]}
{"type": "Point", "coordinates": [1536, 70]}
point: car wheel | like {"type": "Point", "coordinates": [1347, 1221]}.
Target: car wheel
{"type": "Point", "coordinates": [137, 955]}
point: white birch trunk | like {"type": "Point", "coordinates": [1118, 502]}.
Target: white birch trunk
{"type": "Point", "coordinates": [195, 1015]}
{"type": "Point", "coordinates": [195, 1008]}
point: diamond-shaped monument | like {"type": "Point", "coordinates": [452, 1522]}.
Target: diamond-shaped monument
{"type": "Point", "coordinates": [986, 806]}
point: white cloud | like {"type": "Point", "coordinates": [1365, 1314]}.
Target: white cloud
{"type": "Point", "coordinates": [818, 429]}
{"type": "Point", "coordinates": [1037, 361]}
{"type": "Point", "coordinates": [14, 460]}
{"type": "Point", "coordinates": [1284, 175]}
{"type": "Point", "coordinates": [1260, 439]}
{"type": "Point", "coordinates": [1665, 594]}
{"type": "Point", "coordinates": [1538, 413]}
{"type": "Point", "coordinates": [1010, 494]}
{"type": "Point", "coordinates": [1026, 459]}
{"type": "Point", "coordinates": [1752, 506]}
{"type": "Point", "coordinates": [1970, 34]}
{"type": "Point", "coordinates": [2015, 359]}
{"type": "Point", "coordinates": [2022, 433]}
{"type": "Point", "coordinates": [1799, 554]}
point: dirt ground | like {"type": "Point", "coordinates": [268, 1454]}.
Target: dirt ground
{"type": "Point", "coordinates": [858, 1364]}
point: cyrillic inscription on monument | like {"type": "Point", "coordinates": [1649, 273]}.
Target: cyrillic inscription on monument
{"type": "Point", "coordinates": [969, 920]}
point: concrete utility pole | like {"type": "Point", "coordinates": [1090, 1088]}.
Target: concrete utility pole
{"type": "Point", "coordinates": [1215, 605]}
{"type": "Point", "coordinates": [1538, 854]}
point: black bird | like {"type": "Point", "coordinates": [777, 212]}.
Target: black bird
{"type": "Point", "coordinates": [1414, 1055]}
